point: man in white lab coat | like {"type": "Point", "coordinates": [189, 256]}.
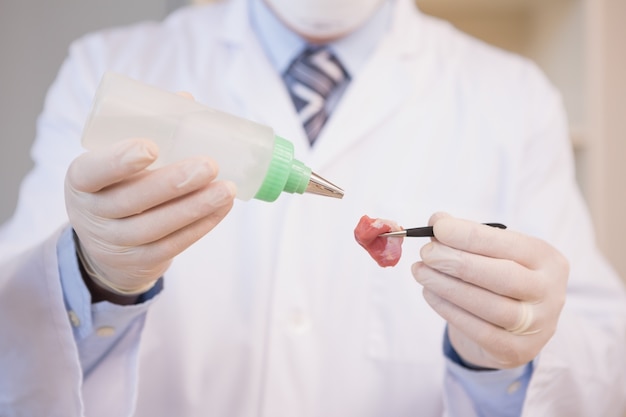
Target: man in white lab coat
{"type": "Point", "coordinates": [272, 309]}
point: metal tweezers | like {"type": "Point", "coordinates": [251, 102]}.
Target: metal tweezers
{"type": "Point", "coordinates": [426, 231]}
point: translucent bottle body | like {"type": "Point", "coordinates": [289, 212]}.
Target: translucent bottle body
{"type": "Point", "coordinates": [124, 108]}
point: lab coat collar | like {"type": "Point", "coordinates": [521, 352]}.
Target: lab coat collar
{"type": "Point", "coordinates": [237, 23]}
{"type": "Point", "coordinates": [378, 91]}
{"type": "Point", "coordinates": [251, 80]}
{"type": "Point", "coordinates": [373, 96]}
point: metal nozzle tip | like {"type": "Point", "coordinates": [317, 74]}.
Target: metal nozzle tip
{"type": "Point", "coordinates": [318, 185]}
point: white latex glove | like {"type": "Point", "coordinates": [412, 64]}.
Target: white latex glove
{"type": "Point", "coordinates": [131, 221]}
{"type": "Point", "coordinates": [500, 291]}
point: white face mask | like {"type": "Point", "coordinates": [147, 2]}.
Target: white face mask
{"type": "Point", "coordinates": [323, 20]}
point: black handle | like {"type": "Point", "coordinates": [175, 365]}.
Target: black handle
{"type": "Point", "coordinates": [427, 231]}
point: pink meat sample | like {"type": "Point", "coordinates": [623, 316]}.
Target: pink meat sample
{"type": "Point", "coordinates": [386, 251]}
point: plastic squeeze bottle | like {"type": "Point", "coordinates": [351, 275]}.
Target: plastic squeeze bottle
{"type": "Point", "coordinates": [261, 164]}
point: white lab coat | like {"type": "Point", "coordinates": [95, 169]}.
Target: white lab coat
{"type": "Point", "coordinates": [278, 312]}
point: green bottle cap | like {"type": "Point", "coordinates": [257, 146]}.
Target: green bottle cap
{"type": "Point", "coordinates": [284, 173]}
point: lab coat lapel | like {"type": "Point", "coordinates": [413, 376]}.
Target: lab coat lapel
{"type": "Point", "coordinates": [254, 84]}
{"type": "Point", "coordinates": [374, 95]}
{"type": "Point", "coordinates": [376, 92]}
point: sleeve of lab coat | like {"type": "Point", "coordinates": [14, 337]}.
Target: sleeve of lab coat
{"type": "Point", "coordinates": [39, 356]}
{"type": "Point", "coordinates": [40, 367]}
{"type": "Point", "coordinates": [582, 370]}
{"type": "Point", "coordinates": [40, 374]}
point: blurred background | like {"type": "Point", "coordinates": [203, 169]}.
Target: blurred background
{"type": "Point", "coordinates": [578, 43]}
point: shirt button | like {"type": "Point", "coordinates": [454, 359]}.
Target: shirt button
{"type": "Point", "coordinates": [299, 323]}
{"type": "Point", "coordinates": [73, 318]}
{"type": "Point", "coordinates": [105, 331]}
{"type": "Point", "coordinates": [512, 389]}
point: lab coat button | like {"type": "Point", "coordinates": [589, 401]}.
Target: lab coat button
{"type": "Point", "coordinates": [105, 331]}
{"type": "Point", "coordinates": [299, 323]}
{"type": "Point", "coordinates": [73, 318]}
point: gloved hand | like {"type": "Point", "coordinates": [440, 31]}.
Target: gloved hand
{"type": "Point", "coordinates": [501, 292]}
{"type": "Point", "coordinates": [131, 222]}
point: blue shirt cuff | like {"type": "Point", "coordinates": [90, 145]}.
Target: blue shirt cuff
{"type": "Point", "coordinates": [494, 392]}
{"type": "Point", "coordinates": [81, 312]}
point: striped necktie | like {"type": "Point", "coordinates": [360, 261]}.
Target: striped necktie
{"type": "Point", "coordinates": [315, 80]}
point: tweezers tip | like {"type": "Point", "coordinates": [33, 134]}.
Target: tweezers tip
{"type": "Point", "coordinates": [398, 233]}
